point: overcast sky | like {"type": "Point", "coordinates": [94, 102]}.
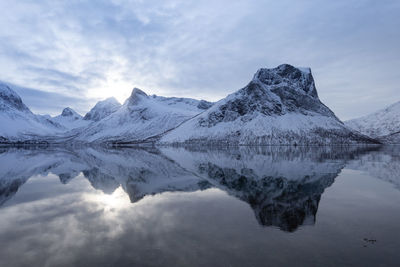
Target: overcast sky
{"type": "Point", "coordinates": [74, 53]}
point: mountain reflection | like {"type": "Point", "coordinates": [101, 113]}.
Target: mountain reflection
{"type": "Point", "coordinates": [283, 185]}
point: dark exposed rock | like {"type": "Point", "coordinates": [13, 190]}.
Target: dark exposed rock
{"type": "Point", "coordinates": [204, 104]}
{"type": "Point", "coordinates": [277, 91]}
{"type": "Point", "coordinates": [67, 112]}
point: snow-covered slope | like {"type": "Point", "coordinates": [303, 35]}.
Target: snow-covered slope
{"type": "Point", "coordinates": [17, 122]}
{"type": "Point", "coordinates": [102, 109]}
{"type": "Point", "coordinates": [393, 138]}
{"type": "Point", "coordinates": [10, 100]}
{"type": "Point", "coordinates": [142, 116]}
{"type": "Point", "coordinates": [70, 119]}
{"type": "Point", "coordinates": [383, 124]}
{"type": "Point", "coordinates": [279, 106]}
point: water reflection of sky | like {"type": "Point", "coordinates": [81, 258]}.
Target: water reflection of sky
{"type": "Point", "coordinates": [48, 223]}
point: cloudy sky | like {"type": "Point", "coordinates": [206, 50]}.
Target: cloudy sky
{"type": "Point", "coordinates": [74, 53]}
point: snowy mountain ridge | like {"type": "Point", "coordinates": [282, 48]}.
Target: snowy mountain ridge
{"type": "Point", "coordinates": [102, 109]}
{"type": "Point", "coordinates": [142, 116]}
{"type": "Point", "coordinates": [17, 120]}
{"type": "Point", "coordinates": [11, 100]}
{"type": "Point", "coordinates": [70, 119]}
{"type": "Point", "coordinates": [279, 106]}
{"type": "Point", "coordinates": [383, 124]}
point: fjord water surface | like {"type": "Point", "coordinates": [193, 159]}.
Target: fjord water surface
{"type": "Point", "coordinates": [260, 206]}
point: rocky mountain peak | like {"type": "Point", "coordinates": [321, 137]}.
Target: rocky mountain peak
{"type": "Point", "coordinates": [70, 113]}
{"type": "Point", "coordinates": [285, 76]}
{"type": "Point", "coordinates": [203, 104]}
{"type": "Point", "coordinates": [135, 97]}
{"type": "Point", "coordinates": [102, 109]}
{"type": "Point", "coordinates": [272, 92]}
{"type": "Point", "coordinates": [67, 112]}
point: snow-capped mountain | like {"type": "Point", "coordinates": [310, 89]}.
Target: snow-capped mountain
{"type": "Point", "coordinates": [70, 119]}
{"type": "Point", "coordinates": [102, 109]}
{"type": "Point", "coordinates": [10, 100]}
{"type": "Point", "coordinates": [279, 106]}
{"type": "Point", "coordinates": [17, 122]}
{"type": "Point", "coordinates": [383, 124]}
{"type": "Point", "coordinates": [142, 116]}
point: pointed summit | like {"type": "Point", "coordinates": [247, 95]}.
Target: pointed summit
{"type": "Point", "coordinates": [137, 91]}
{"type": "Point", "coordinates": [69, 112]}
{"type": "Point", "coordinates": [135, 97]}
{"type": "Point", "coordinates": [70, 119]}
{"type": "Point", "coordinates": [102, 109]}
{"type": "Point", "coordinates": [141, 117]}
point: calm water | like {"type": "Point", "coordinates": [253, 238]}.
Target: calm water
{"type": "Point", "coordinates": [270, 206]}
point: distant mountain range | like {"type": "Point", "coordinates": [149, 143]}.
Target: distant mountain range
{"type": "Point", "coordinates": [279, 106]}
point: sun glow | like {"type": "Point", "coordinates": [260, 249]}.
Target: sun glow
{"type": "Point", "coordinates": [117, 200]}
{"type": "Point", "coordinates": [114, 86]}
